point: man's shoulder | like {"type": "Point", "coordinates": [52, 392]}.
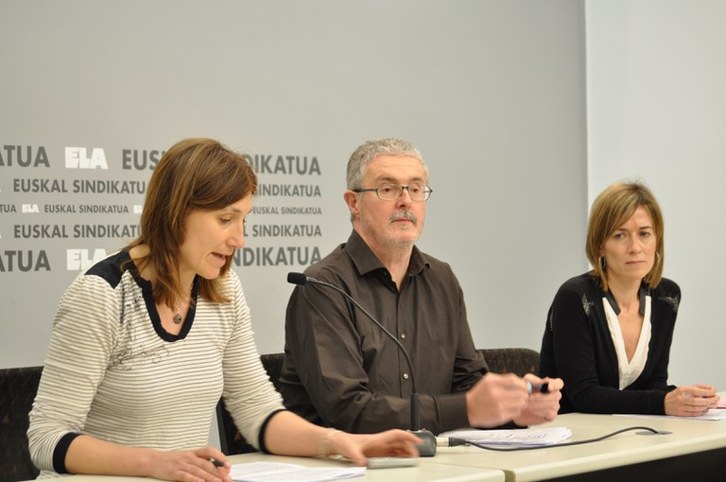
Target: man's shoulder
{"type": "Point", "coordinates": [435, 263]}
{"type": "Point", "coordinates": [334, 260]}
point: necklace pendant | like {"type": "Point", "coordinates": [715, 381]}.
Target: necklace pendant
{"type": "Point", "coordinates": [177, 318]}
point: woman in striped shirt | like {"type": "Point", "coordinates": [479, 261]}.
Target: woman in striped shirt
{"type": "Point", "coordinates": [146, 341]}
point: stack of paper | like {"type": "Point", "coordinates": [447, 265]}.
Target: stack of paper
{"type": "Point", "coordinates": [279, 472]}
{"type": "Point", "coordinates": [516, 437]}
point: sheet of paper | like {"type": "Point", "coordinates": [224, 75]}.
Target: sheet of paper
{"type": "Point", "coordinates": [280, 472]}
{"type": "Point", "coordinates": [714, 414]}
{"type": "Point", "coordinates": [516, 437]}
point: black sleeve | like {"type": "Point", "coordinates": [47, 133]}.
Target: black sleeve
{"type": "Point", "coordinates": [585, 360]}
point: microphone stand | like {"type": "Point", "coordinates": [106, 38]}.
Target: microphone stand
{"type": "Point", "coordinates": [427, 447]}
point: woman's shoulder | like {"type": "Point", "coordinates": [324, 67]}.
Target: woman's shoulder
{"type": "Point", "coordinates": [230, 282]}
{"type": "Point", "coordinates": [105, 279]}
{"type": "Point", "coordinates": [581, 284]}
{"type": "Point", "coordinates": [667, 287]}
{"type": "Point", "coordinates": [110, 269]}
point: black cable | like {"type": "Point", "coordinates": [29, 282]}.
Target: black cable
{"type": "Point", "coordinates": [454, 442]}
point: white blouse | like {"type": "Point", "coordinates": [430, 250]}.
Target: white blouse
{"type": "Point", "coordinates": [629, 370]}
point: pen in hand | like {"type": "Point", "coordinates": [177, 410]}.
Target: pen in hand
{"type": "Point", "coordinates": [542, 388]}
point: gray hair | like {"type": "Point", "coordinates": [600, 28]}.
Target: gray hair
{"type": "Point", "coordinates": [371, 149]}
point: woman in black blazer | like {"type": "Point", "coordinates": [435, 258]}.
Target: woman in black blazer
{"type": "Point", "coordinates": [609, 331]}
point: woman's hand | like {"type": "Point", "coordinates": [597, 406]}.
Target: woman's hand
{"type": "Point", "coordinates": [191, 465]}
{"type": "Point", "coordinates": [89, 455]}
{"type": "Point", "coordinates": [691, 400]}
{"type": "Point", "coordinates": [358, 447]}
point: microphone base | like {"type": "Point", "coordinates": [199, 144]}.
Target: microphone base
{"type": "Point", "coordinates": [427, 447]}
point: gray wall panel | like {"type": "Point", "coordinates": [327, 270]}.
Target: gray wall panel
{"type": "Point", "coordinates": [492, 92]}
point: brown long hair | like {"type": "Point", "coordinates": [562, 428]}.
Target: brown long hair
{"type": "Point", "coordinates": [613, 207]}
{"type": "Point", "coordinates": [195, 173]}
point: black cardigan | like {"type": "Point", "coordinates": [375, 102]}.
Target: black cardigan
{"type": "Point", "coordinates": [577, 347]}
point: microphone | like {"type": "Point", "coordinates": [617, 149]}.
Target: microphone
{"type": "Point", "coordinates": [427, 447]}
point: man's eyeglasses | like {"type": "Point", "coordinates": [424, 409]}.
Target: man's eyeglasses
{"type": "Point", "coordinates": [391, 192]}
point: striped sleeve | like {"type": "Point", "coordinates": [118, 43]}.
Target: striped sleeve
{"type": "Point", "coordinates": [248, 392]}
{"type": "Point", "coordinates": [81, 343]}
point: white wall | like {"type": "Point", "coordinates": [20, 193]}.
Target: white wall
{"type": "Point", "coordinates": [492, 92]}
{"type": "Point", "coordinates": [656, 108]}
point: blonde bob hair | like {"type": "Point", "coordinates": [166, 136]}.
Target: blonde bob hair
{"type": "Point", "coordinates": [610, 210]}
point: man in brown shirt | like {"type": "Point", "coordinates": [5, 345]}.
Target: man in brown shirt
{"type": "Point", "coordinates": [342, 371]}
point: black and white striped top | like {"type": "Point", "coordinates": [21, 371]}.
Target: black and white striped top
{"type": "Point", "coordinates": [113, 372]}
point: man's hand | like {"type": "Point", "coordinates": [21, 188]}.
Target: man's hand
{"type": "Point", "coordinates": [541, 407]}
{"type": "Point", "coordinates": [496, 399]}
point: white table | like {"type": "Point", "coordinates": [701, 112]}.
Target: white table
{"type": "Point", "coordinates": [429, 469]}
{"type": "Point", "coordinates": [688, 438]}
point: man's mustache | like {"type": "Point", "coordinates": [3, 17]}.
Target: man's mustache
{"type": "Point", "coordinates": [403, 215]}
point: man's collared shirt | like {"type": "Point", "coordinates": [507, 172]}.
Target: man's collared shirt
{"type": "Point", "coordinates": [341, 370]}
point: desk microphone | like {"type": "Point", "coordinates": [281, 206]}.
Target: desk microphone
{"type": "Point", "coordinates": [427, 447]}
